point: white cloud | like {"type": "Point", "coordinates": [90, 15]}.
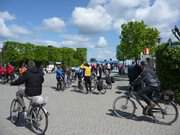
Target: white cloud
{"type": "Point", "coordinates": [94, 3]}
{"type": "Point", "coordinates": [19, 29]}
{"type": "Point", "coordinates": [55, 24]}
{"type": "Point", "coordinates": [4, 30]}
{"type": "Point", "coordinates": [92, 20]}
{"type": "Point", "coordinates": [163, 14]}
{"type": "Point", "coordinates": [160, 12]}
{"type": "Point", "coordinates": [77, 41]}
{"type": "Point", "coordinates": [10, 31]}
{"type": "Point", "coordinates": [47, 42]}
{"type": "Point", "coordinates": [117, 24]}
{"type": "Point", "coordinates": [6, 16]}
{"type": "Point", "coordinates": [102, 43]}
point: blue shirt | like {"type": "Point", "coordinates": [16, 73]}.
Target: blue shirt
{"type": "Point", "coordinates": [59, 73]}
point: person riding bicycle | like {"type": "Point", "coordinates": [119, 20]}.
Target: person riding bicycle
{"type": "Point", "coordinates": [150, 82]}
{"type": "Point", "coordinates": [33, 79]}
{"type": "Point", "coordinates": [59, 72]}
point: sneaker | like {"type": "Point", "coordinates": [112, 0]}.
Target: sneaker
{"type": "Point", "coordinates": [147, 110]}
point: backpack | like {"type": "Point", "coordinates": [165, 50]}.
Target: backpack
{"type": "Point", "coordinates": [100, 84]}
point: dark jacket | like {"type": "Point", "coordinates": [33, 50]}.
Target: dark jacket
{"type": "Point", "coordinates": [33, 80]}
{"type": "Point", "coordinates": [133, 72]}
{"type": "Point", "coordinates": [149, 77]}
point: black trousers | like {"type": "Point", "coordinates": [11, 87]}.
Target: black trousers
{"type": "Point", "coordinates": [87, 80]}
{"type": "Point", "coordinates": [146, 93]}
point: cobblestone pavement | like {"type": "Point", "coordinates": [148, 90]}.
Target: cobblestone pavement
{"type": "Point", "coordinates": [74, 113]}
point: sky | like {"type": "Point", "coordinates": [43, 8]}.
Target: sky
{"type": "Point", "coordinates": [93, 24]}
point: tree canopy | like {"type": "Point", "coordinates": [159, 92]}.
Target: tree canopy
{"type": "Point", "coordinates": [135, 36]}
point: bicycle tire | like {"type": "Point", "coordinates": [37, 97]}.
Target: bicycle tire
{"type": "Point", "coordinates": [163, 113]}
{"type": "Point", "coordinates": [35, 116]}
{"type": "Point", "coordinates": [15, 108]}
{"type": "Point", "coordinates": [120, 112]}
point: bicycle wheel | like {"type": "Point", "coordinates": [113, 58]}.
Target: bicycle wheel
{"type": "Point", "coordinates": [165, 113]}
{"type": "Point", "coordinates": [15, 108]}
{"type": "Point", "coordinates": [39, 120]}
{"type": "Point", "coordinates": [124, 107]}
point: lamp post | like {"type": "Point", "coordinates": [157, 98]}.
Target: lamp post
{"type": "Point", "coordinates": [1, 48]}
{"type": "Point", "coordinates": [170, 42]}
{"type": "Point", "coordinates": [49, 47]}
{"type": "Point", "coordinates": [158, 40]}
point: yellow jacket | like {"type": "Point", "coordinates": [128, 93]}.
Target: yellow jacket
{"type": "Point", "coordinates": [87, 71]}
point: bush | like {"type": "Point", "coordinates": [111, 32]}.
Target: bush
{"type": "Point", "coordinates": [168, 68]}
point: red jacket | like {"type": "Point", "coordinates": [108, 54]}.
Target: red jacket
{"type": "Point", "coordinates": [2, 70]}
{"type": "Point", "coordinates": [10, 69]}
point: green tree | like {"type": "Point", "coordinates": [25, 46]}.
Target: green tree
{"type": "Point", "coordinates": [136, 36]}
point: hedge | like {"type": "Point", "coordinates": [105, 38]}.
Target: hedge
{"type": "Point", "coordinates": [168, 68]}
{"type": "Point", "coordinates": [15, 52]}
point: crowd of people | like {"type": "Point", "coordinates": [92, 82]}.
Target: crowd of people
{"type": "Point", "coordinates": [142, 76]}
{"type": "Point", "coordinates": [85, 72]}
{"type": "Point", "coordinates": [7, 72]}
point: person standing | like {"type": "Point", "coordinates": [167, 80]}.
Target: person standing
{"type": "Point", "coordinates": [99, 71]}
{"type": "Point", "coordinates": [87, 77]}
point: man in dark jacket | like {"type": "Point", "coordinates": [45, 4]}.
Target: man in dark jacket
{"type": "Point", "coordinates": [151, 83]}
{"type": "Point", "coordinates": [33, 80]}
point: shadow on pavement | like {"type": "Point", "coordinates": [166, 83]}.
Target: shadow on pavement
{"type": "Point", "coordinates": [53, 87]}
{"type": "Point", "coordinates": [21, 123]}
{"type": "Point", "coordinates": [135, 117]}
{"type": "Point", "coordinates": [121, 89]}
{"type": "Point", "coordinates": [78, 91]}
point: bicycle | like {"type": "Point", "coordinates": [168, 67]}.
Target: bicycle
{"type": "Point", "coordinates": [94, 87]}
{"type": "Point", "coordinates": [68, 82]}
{"type": "Point", "coordinates": [37, 115]}
{"type": "Point", "coordinates": [108, 82]}
{"type": "Point", "coordinates": [164, 112]}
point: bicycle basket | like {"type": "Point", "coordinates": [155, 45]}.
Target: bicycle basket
{"type": "Point", "coordinates": [168, 95]}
